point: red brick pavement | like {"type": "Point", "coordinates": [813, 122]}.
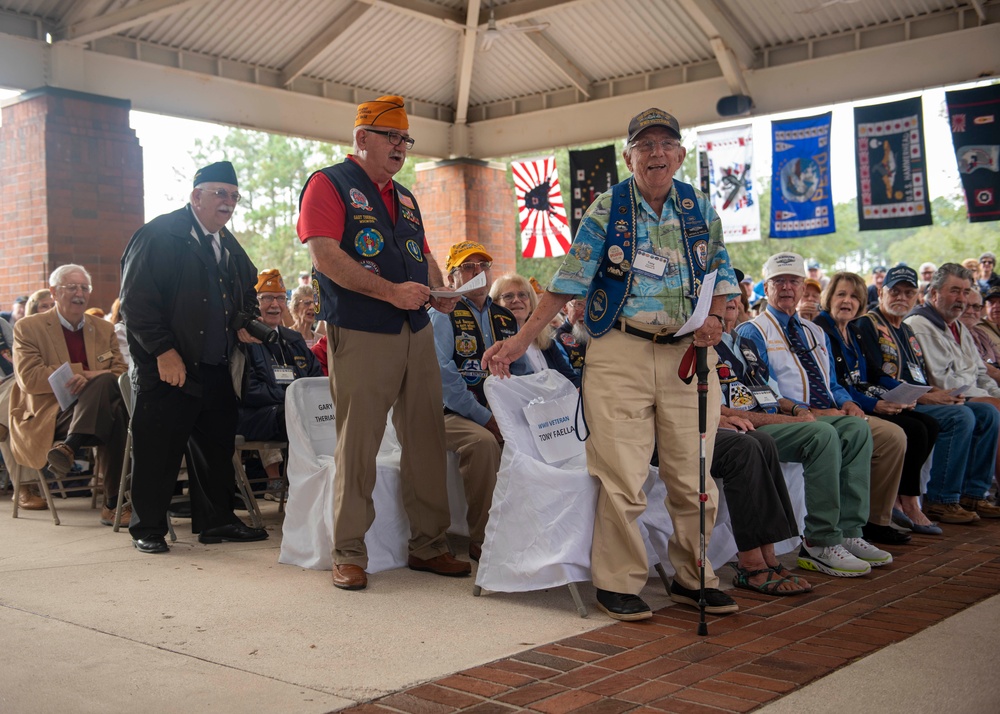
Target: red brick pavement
{"type": "Point", "coordinates": [772, 646]}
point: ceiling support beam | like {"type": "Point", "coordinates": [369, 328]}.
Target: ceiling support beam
{"type": "Point", "coordinates": [558, 58]}
{"type": "Point", "coordinates": [324, 39]}
{"type": "Point", "coordinates": [466, 59]}
{"type": "Point", "coordinates": [730, 66]}
{"type": "Point", "coordinates": [733, 53]}
{"type": "Point", "coordinates": [118, 20]}
{"type": "Point", "coordinates": [517, 10]}
{"type": "Point", "coordinates": [423, 10]}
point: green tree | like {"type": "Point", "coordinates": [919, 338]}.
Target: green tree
{"type": "Point", "coordinates": [272, 170]}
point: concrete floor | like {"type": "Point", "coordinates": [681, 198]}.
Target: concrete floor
{"type": "Point", "coordinates": [88, 624]}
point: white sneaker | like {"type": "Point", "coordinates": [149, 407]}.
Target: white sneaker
{"type": "Point", "coordinates": [833, 560]}
{"type": "Point", "coordinates": [863, 550]}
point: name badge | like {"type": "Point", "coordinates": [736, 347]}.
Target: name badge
{"type": "Point", "coordinates": [284, 375]}
{"type": "Point", "coordinates": [765, 397]}
{"type": "Point", "coordinates": [916, 372]}
{"type": "Point", "coordinates": [106, 356]}
{"type": "Point", "coordinates": [649, 264]}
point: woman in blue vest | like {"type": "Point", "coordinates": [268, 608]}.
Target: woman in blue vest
{"type": "Point", "coordinates": [845, 299]}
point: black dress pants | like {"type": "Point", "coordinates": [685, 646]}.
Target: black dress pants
{"type": "Point", "coordinates": [921, 432]}
{"type": "Point", "coordinates": [166, 424]}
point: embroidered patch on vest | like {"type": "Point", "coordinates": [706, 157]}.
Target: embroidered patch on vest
{"type": "Point", "coordinates": [359, 200]}
{"type": "Point", "coordinates": [371, 266]}
{"type": "Point", "coordinates": [701, 253]}
{"type": "Point", "coordinates": [369, 242]}
{"type": "Point", "coordinates": [598, 305]}
{"type": "Point", "coordinates": [413, 248]}
{"type": "Point", "coordinates": [465, 344]}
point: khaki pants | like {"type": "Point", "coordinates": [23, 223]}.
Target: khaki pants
{"type": "Point", "coordinates": [632, 399]}
{"type": "Point", "coordinates": [888, 451]}
{"type": "Point", "coordinates": [478, 462]}
{"type": "Point", "coordinates": [369, 374]}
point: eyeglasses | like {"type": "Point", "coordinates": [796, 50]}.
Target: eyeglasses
{"type": "Point", "coordinates": [272, 298]}
{"type": "Point", "coordinates": [305, 303]}
{"type": "Point", "coordinates": [987, 262]}
{"type": "Point", "coordinates": [222, 194]}
{"type": "Point", "coordinates": [508, 297]}
{"type": "Point", "coordinates": [791, 282]}
{"type": "Point", "coordinates": [473, 267]}
{"type": "Point", "coordinates": [73, 287]}
{"type": "Point", "coordinates": [394, 137]}
{"type": "Point", "coordinates": [647, 146]}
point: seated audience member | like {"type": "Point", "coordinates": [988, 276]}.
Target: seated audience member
{"type": "Point", "coordinates": [843, 301]}
{"type": "Point", "coordinates": [808, 307]}
{"type": "Point", "coordinates": [319, 350]}
{"type": "Point", "coordinates": [303, 309]}
{"type": "Point", "coordinates": [815, 272]}
{"type": "Point", "coordinates": [835, 453]}
{"type": "Point", "coordinates": [460, 339]}
{"type": "Point", "coordinates": [926, 272]}
{"type": "Point", "coordinates": [971, 318]}
{"type": "Point", "coordinates": [972, 265]}
{"type": "Point", "coordinates": [746, 287]}
{"type": "Point", "coordinates": [964, 454]}
{"type": "Point", "coordinates": [798, 355]}
{"type": "Point", "coordinates": [272, 367]}
{"type": "Point", "coordinates": [16, 312]}
{"type": "Point", "coordinates": [516, 294]}
{"type": "Point", "coordinates": [115, 318]}
{"type": "Point", "coordinates": [953, 364]}
{"type": "Point", "coordinates": [42, 434]}
{"type": "Point", "coordinates": [572, 335]}
{"type": "Point", "coordinates": [987, 275]}
{"type": "Point", "coordinates": [878, 276]}
{"type": "Point", "coordinates": [990, 324]}
{"type": "Point", "coordinates": [39, 301]}
{"type": "Point", "coordinates": [96, 312]}
{"type": "Point", "coordinates": [305, 279]}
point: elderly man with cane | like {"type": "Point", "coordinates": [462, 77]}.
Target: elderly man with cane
{"type": "Point", "coordinates": [639, 256]}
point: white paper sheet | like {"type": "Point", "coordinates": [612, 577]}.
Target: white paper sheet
{"type": "Point", "coordinates": [905, 393]}
{"type": "Point", "coordinates": [477, 282]}
{"type": "Point", "coordinates": [58, 380]}
{"type": "Point", "coordinates": [702, 307]}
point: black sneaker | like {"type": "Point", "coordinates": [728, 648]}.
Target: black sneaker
{"type": "Point", "coordinates": [623, 606]}
{"type": "Point", "coordinates": [717, 602]}
{"type": "Point", "coordinates": [887, 535]}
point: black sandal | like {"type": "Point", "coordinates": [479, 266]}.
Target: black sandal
{"type": "Point", "coordinates": [768, 587]}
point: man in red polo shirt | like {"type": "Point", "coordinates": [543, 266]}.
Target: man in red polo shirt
{"type": "Point", "coordinates": [98, 416]}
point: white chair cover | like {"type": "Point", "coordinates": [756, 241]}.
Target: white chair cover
{"type": "Point", "coordinates": [796, 485]}
{"type": "Point", "coordinates": [542, 519]}
{"type": "Point", "coordinates": [307, 532]}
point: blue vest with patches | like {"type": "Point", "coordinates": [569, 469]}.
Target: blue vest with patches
{"type": "Point", "coordinates": [394, 251]}
{"type": "Point", "coordinates": [737, 381]}
{"type": "Point", "coordinates": [612, 283]}
{"type": "Point", "coordinates": [470, 346]}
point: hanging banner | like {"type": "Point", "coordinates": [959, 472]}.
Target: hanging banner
{"type": "Point", "coordinates": [975, 132]}
{"type": "Point", "coordinates": [892, 166]}
{"type": "Point", "coordinates": [591, 172]}
{"type": "Point", "coordinates": [801, 201]}
{"type": "Point", "coordinates": [724, 160]}
{"type": "Point", "coordinates": [544, 228]}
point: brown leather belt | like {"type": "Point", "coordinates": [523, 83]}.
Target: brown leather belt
{"type": "Point", "coordinates": [658, 338]}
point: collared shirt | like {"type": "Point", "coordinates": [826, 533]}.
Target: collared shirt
{"type": "Point", "coordinates": [216, 243]}
{"type": "Point", "coordinates": [67, 324]}
{"type": "Point", "coordinates": [840, 395]}
{"type": "Point", "coordinates": [663, 301]}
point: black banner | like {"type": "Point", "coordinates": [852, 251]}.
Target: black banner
{"type": "Point", "coordinates": [975, 132]}
{"type": "Point", "coordinates": [892, 166]}
{"type": "Point", "coordinates": [592, 172]}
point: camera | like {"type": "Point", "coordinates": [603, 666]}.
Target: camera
{"type": "Point", "coordinates": [256, 328]}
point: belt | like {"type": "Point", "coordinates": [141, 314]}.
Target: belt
{"type": "Point", "coordinates": [659, 338]}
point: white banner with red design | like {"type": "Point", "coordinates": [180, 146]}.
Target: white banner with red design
{"type": "Point", "coordinates": [544, 226]}
{"type": "Point", "coordinates": [725, 159]}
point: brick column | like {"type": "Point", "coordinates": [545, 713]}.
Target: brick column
{"type": "Point", "coordinates": [467, 199]}
{"type": "Point", "coordinates": [70, 190]}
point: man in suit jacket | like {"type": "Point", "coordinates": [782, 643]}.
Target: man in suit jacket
{"type": "Point", "coordinates": [97, 417]}
{"type": "Point", "coordinates": [187, 289]}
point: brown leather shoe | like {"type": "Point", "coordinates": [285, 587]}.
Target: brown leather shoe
{"type": "Point", "coordinates": [349, 577]}
{"type": "Point", "coordinates": [29, 500]}
{"type": "Point", "coordinates": [980, 506]}
{"type": "Point", "coordinates": [108, 516]}
{"type": "Point", "coordinates": [61, 459]}
{"type": "Point", "coordinates": [444, 564]}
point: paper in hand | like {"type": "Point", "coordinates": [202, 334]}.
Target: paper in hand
{"type": "Point", "coordinates": [477, 282]}
{"type": "Point", "coordinates": [702, 307]}
{"type": "Point", "coordinates": [58, 381]}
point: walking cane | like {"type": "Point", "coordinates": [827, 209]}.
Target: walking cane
{"type": "Point", "coordinates": [701, 369]}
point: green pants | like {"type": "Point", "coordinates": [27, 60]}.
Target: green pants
{"type": "Point", "coordinates": [836, 455]}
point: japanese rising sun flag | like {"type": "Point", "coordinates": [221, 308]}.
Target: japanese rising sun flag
{"type": "Point", "coordinates": [544, 227]}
